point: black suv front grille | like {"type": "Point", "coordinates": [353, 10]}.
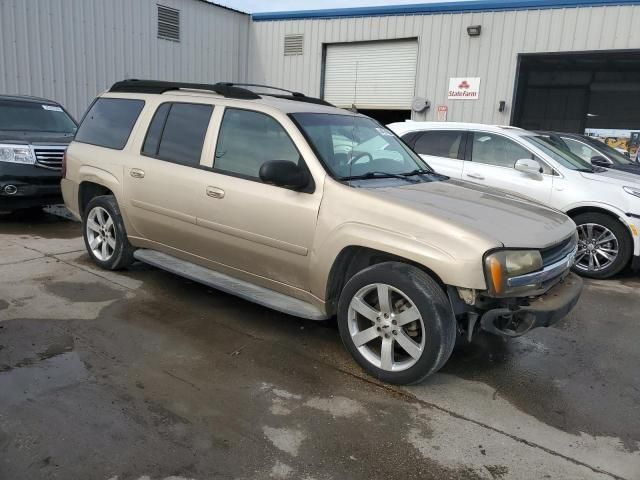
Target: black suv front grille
{"type": "Point", "coordinates": [557, 252]}
{"type": "Point", "coordinates": [49, 156]}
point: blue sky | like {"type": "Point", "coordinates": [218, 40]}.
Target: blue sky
{"type": "Point", "coordinates": [253, 6]}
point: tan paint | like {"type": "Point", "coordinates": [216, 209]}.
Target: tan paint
{"type": "Point", "coordinates": [287, 240]}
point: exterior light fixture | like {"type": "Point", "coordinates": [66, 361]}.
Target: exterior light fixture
{"type": "Point", "coordinates": [502, 106]}
{"type": "Point", "coordinates": [474, 30]}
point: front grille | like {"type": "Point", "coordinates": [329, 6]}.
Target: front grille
{"type": "Point", "coordinates": [557, 252]}
{"type": "Point", "coordinates": [49, 156]}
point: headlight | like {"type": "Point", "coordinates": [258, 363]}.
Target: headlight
{"type": "Point", "coordinates": [17, 154]}
{"type": "Point", "coordinates": [502, 265]}
{"type": "Point", "coordinates": [632, 191]}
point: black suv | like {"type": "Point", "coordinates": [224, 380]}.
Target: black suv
{"type": "Point", "coordinates": [34, 134]}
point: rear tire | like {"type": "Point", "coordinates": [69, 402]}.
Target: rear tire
{"type": "Point", "coordinates": [401, 340]}
{"type": "Point", "coordinates": [104, 234]}
{"type": "Point", "coordinates": [600, 237]}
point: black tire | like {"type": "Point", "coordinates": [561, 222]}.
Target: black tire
{"type": "Point", "coordinates": [623, 237]}
{"type": "Point", "coordinates": [432, 304]}
{"type": "Point", "coordinates": [122, 255]}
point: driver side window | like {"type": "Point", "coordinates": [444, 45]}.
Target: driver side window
{"type": "Point", "coordinates": [497, 150]}
{"type": "Point", "coordinates": [247, 140]}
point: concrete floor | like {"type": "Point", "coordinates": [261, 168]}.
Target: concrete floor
{"type": "Point", "coordinates": [145, 375]}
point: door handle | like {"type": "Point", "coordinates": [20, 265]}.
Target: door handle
{"type": "Point", "coordinates": [215, 192]}
{"type": "Point", "coordinates": [136, 173]}
{"type": "Point", "coordinates": [477, 176]}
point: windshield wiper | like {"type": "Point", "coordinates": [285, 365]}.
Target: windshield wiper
{"type": "Point", "coordinates": [586, 170]}
{"type": "Point", "coordinates": [371, 175]}
{"type": "Point", "coordinates": [417, 172]}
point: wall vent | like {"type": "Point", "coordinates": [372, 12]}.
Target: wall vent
{"type": "Point", "coordinates": [293, 44]}
{"type": "Point", "coordinates": [168, 23]}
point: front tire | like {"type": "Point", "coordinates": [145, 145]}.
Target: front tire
{"type": "Point", "coordinates": [604, 245]}
{"type": "Point", "coordinates": [104, 234]}
{"type": "Point", "coordinates": [396, 322]}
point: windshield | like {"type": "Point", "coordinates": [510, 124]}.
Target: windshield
{"type": "Point", "coordinates": [614, 155]}
{"type": "Point", "coordinates": [353, 146]}
{"type": "Point", "coordinates": [20, 116]}
{"type": "Point", "coordinates": [563, 157]}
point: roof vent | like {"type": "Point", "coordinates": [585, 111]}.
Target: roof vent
{"type": "Point", "coordinates": [293, 44]}
{"type": "Point", "coordinates": [168, 23]}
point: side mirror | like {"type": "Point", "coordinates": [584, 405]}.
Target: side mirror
{"type": "Point", "coordinates": [284, 173]}
{"type": "Point", "coordinates": [600, 161]}
{"type": "Point", "coordinates": [527, 165]}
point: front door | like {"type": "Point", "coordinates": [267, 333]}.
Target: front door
{"type": "Point", "coordinates": [492, 159]}
{"type": "Point", "coordinates": [255, 227]}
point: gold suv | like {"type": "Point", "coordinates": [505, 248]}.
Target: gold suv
{"type": "Point", "coordinates": [314, 211]}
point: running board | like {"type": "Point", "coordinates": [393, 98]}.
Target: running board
{"type": "Point", "coordinates": [248, 291]}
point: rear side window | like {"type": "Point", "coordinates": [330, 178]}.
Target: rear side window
{"type": "Point", "coordinates": [109, 122]}
{"type": "Point", "coordinates": [177, 132]}
{"type": "Point", "coordinates": [439, 143]}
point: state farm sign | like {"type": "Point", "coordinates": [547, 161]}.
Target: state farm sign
{"type": "Point", "coordinates": [464, 88]}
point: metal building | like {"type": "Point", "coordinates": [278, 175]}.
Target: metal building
{"type": "Point", "coordinates": [553, 64]}
{"type": "Point", "coordinates": [71, 50]}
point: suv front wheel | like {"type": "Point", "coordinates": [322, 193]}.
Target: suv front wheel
{"type": "Point", "coordinates": [104, 234]}
{"type": "Point", "coordinates": [397, 322]}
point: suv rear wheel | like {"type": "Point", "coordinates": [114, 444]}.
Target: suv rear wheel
{"type": "Point", "coordinates": [397, 322]}
{"type": "Point", "coordinates": [104, 234]}
{"type": "Point", "coordinates": [604, 245]}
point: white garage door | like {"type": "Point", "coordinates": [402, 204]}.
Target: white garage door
{"type": "Point", "coordinates": [372, 75]}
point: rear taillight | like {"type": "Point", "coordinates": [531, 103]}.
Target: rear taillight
{"type": "Point", "coordinates": [64, 165]}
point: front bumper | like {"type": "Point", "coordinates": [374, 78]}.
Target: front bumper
{"type": "Point", "coordinates": [543, 311]}
{"type": "Point", "coordinates": [25, 186]}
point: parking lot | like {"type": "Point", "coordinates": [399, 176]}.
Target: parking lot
{"type": "Point", "coordinates": [143, 374]}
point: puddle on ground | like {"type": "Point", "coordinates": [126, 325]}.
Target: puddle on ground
{"type": "Point", "coordinates": [53, 222]}
{"type": "Point", "coordinates": [83, 292]}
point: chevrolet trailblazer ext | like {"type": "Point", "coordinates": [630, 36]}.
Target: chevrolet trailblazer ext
{"type": "Point", "coordinates": [314, 211]}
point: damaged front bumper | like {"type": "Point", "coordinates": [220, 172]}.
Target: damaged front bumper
{"type": "Point", "coordinates": [515, 319]}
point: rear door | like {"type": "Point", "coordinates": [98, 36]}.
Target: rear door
{"type": "Point", "coordinates": [443, 150]}
{"type": "Point", "coordinates": [161, 182]}
{"type": "Point", "coordinates": [492, 158]}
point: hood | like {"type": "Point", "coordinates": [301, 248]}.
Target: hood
{"type": "Point", "coordinates": [614, 177]}
{"type": "Point", "coordinates": [508, 219]}
{"type": "Point", "coordinates": [42, 138]}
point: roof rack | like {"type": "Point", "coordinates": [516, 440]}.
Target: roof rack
{"type": "Point", "coordinates": [226, 89]}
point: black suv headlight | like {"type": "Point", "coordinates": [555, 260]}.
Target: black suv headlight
{"type": "Point", "coordinates": [17, 154]}
{"type": "Point", "coordinates": [502, 265]}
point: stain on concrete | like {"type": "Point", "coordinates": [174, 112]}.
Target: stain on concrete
{"type": "Point", "coordinates": [336, 406]}
{"type": "Point", "coordinates": [82, 292]}
{"type": "Point", "coordinates": [286, 439]}
{"type": "Point", "coordinates": [52, 223]}
{"type": "Point", "coordinates": [4, 304]}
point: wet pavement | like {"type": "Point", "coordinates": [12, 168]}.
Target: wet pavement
{"type": "Point", "coordinates": [143, 374]}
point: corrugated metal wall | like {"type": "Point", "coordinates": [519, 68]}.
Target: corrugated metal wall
{"type": "Point", "coordinates": [445, 49]}
{"type": "Point", "coordinates": [70, 50]}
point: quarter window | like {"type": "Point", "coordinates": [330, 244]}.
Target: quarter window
{"type": "Point", "coordinates": [109, 122]}
{"type": "Point", "coordinates": [438, 143]}
{"type": "Point", "coordinates": [177, 132]}
{"type": "Point", "coordinates": [248, 139]}
{"type": "Point", "coordinates": [497, 150]}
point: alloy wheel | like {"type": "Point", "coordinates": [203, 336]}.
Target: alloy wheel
{"type": "Point", "coordinates": [101, 234]}
{"type": "Point", "coordinates": [386, 327]}
{"type": "Point", "coordinates": [597, 247]}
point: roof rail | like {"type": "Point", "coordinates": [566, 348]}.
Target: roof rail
{"type": "Point", "coordinates": [226, 89]}
{"type": "Point", "coordinates": [155, 86]}
{"type": "Point", "coordinates": [293, 95]}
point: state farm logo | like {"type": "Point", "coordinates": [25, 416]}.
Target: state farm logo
{"type": "Point", "coordinates": [463, 88]}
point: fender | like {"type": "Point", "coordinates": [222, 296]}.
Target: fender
{"type": "Point", "coordinates": [87, 173]}
{"type": "Point", "coordinates": [451, 270]}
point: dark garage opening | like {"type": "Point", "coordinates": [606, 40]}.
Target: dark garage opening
{"type": "Point", "coordinates": [569, 92]}
{"type": "Point", "coordinates": [387, 116]}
